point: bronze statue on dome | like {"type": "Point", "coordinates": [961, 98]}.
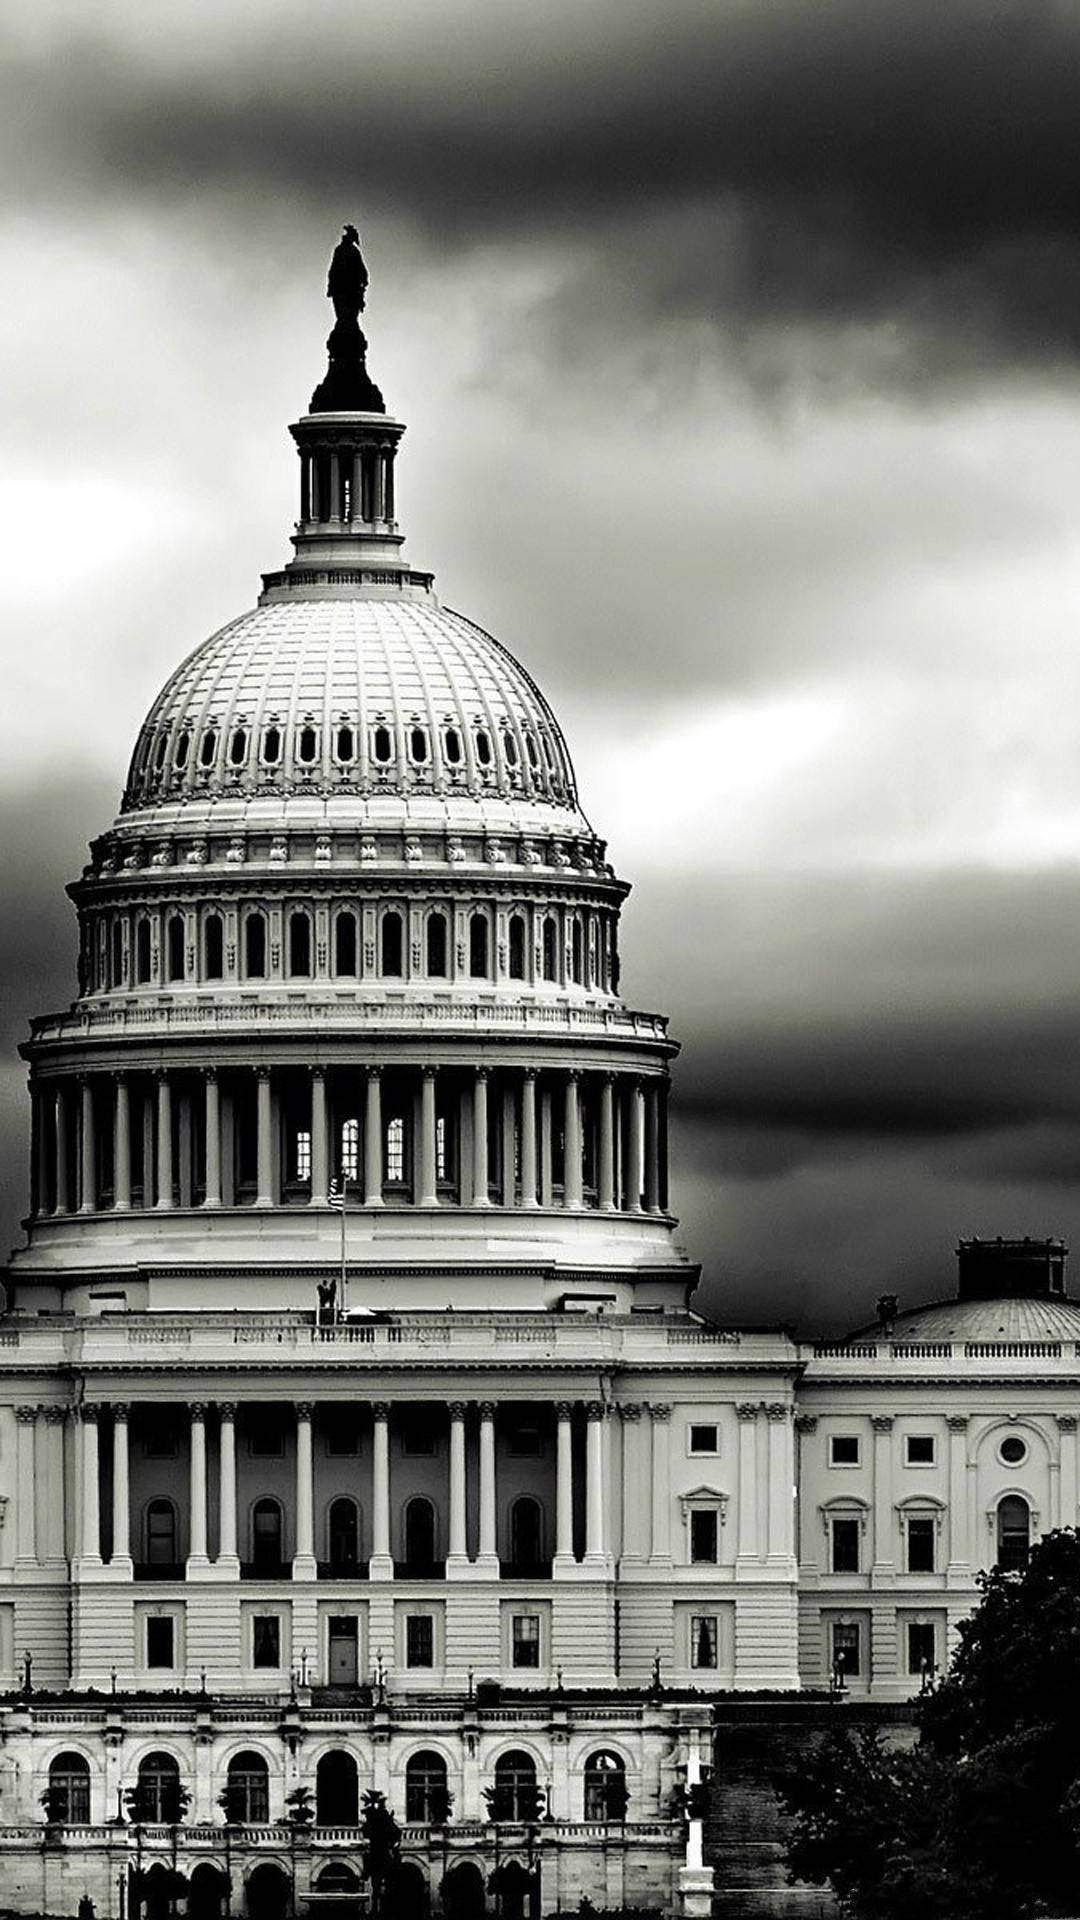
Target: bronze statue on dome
{"type": "Point", "coordinates": [347, 386]}
{"type": "Point", "coordinates": [347, 281]}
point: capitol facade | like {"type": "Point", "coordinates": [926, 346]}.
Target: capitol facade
{"type": "Point", "coordinates": [357, 1432]}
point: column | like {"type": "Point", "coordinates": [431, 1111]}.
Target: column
{"type": "Point", "coordinates": [606, 1194]}
{"type": "Point", "coordinates": [427, 1194]}
{"type": "Point", "coordinates": [660, 1418]}
{"type": "Point", "coordinates": [509, 1131]}
{"type": "Point", "coordinates": [630, 1412]}
{"type": "Point", "coordinates": [959, 1569]}
{"type": "Point", "coordinates": [564, 1486]}
{"type": "Point", "coordinates": [1067, 1426]}
{"type": "Point", "coordinates": [38, 1155]}
{"type": "Point", "coordinates": [197, 1554]}
{"type": "Point", "coordinates": [547, 1184]}
{"type": "Point", "coordinates": [651, 1147]}
{"type": "Point", "coordinates": [63, 1192]}
{"type": "Point", "coordinates": [781, 1508]}
{"type": "Point", "coordinates": [212, 1169]}
{"type": "Point", "coordinates": [572, 1143]}
{"type": "Point", "coordinates": [264, 1114]}
{"type": "Point", "coordinates": [378, 489]}
{"type": "Point", "coordinates": [303, 1566]}
{"type": "Point", "coordinates": [528, 1139]}
{"type": "Point", "coordinates": [121, 1145]}
{"type": "Point", "coordinates": [488, 1549]}
{"type": "Point", "coordinates": [635, 1148]}
{"type": "Point", "coordinates": [121, 1504]}
{"type": "Point", "coordinates": [358, 485]}
{"type": "Point", "coordinates": [25, 1517]}
{"type": "Point", "coordinates": [373, 1139]}
{"type": "Point", "coordinates": [227, 1547]}
{"type": "Point", "coordinates": [381, 1565]}
{"type": "Point", "coordinates": [305, 488]}
{"type": "Point", "coordinates": [747, 1411]}
{"type": "Point", "coordinates": [320, 1159]}
{"type": "Point", "coordinates": [91, 1510]}
{"type": "Point", "coordinates": [883, 1570]}
{"type": "Point", "coordinates": [52, 1508]}
{"type": "Point", "coordinates": [594, 1481]}
{"type": "Point", "coordinates": [480, 1138]}
{"type": "Point", "coordinates": [164, 1196]}
{"type": "Point", "coordinates": [335, 484]}
{"type": "Point", "coordinates": [87, 1148]}
{"type": "Point", "coordinates": [458, 1548]}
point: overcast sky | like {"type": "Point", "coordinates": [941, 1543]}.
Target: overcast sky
{"type": "Point", "coordinates": [738, 346]}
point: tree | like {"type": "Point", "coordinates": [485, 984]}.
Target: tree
{"type": "Point", "coordinates": [381, 1849]}
{"type": "Point", "coordinates": [980, 1820]}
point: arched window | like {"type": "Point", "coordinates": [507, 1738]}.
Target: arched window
{"type": "Point", "coordinates": [394, 1172]}
{"type": "Point", "coordinates": [116, 965]}
{"type": "Point", "coordinates": [213, 947]}
{"type": "Point", "coordinates": [550, 949]}
{"type": "Point", "coordinates": [517, 947]}
{"type": "Point", "coordinates": [266, 1537]}
{"type": "Point", "coordinates": [158, 1793]}
{"type": "Point", "coordinates": [526, 1534]}
{"type": "Point", "coordinates": [436, 946]}
{"type": "Point", "coordinates": [516, 1796]}
{"type": "Point", "coordinates": [142, 953]}
{"type": "Point", "coordinates": [343, 1528]}
{"type": "Point", "coordinates": [1013, 1533]}
{"type": "Point", "coordinates": [299, 945]}
{"type": "Point", "coordinates": [345, 944]}
{"type": "Point", "coordinates": [162, 1545]}
{"type": "Point", "coordinates": [605, 1787]}
{"type": "Point", "coordinates": [247, 1790]}
{"type": "Point", "coordinates": [68, 1792]}
{"type": "Point", "coordinates": [392, 945]}
{"type": "Point", "coordinates": [427, 1797]}
{"type": "Point", "coordinates": [174, 947]}
{"type": "Point", "coordinates": [337, 1791]}
{"type": "Point", "coordinates": [255, 946]}
{"type": "Point", "coordinates": [419, 1531]}
{"type": "Point", "coordinates": [577, 952]}
{"type": "Point", "coordinates": [478, 946]}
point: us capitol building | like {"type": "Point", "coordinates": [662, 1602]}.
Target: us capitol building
{"type": "Point", "coordinates": [445, 1493]}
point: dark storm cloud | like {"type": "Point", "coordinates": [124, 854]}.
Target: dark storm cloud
{"type": "Point", "coordinates": [914, 165]}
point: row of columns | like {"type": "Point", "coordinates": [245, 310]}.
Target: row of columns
{"type": "Point", "coordinates": [631, 1145]}
{"type": "Point", "coordinates": [322, 484]}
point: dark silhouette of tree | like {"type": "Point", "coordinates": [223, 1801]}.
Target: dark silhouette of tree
{"type": "Point", "coordinates": [381, 1851]}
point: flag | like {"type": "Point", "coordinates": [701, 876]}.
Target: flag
{"type": "Point", "coordinates": [336, 1196]}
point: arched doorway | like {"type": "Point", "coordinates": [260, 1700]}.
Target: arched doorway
{"type": "Point", "coordinates": [463, 1892]}
{"type": "Point", "coordinates": [267, 1894]}
{"type": "Point", "coordinates": [419, 1531]}
{"type": "Point", "coordinates": [337, 1791]}
{"type": "Point", "coordinates": [206, 1900]}
{"type": "Point", "coordinates": [162, 1892]}
{"type": "Point", "coordinates": [410, 1898]}
{"type": "Point", "coordinates": [518, 1892]}
{"type": "Point", "coordinates": [338, 1890]}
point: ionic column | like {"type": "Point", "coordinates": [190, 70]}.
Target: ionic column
{"type": "Point", "coordinates": [52, 1507]}
{"type": "Point", "coordinates": [264, 1156]}
{"type": "Point", "coordinates": [594, 1481]}
{"type": "Point", "coordinates": [528, 1139]}
{"type": "Point", "coordinates": [121, 1145]}
{"type": "Point", "coordinates": [884, 1566]}
{"type": "Point", "coordinates": [747, 1411]}
{"type": "Point", "coordinates": [651, 1148]}
{"type": "Point", "coordinates": [197, 1554]}
{"type": "Point", "coordinates": [121, 1500]}
{"type": "Point", "coordinates": [303, 1565]}
{"type": "Point", "coordinates": [660, 1546]}
{"type": "Point", "coordinates": [635, 1148]}
{"type": "Point", "coordinates": [63, 1192]}
{"type": "Point", "coordinates": [488, 1549]}
{"type": "Point", "coordinates": [564, 1486]}
{"type": "Point", "coordinates": [633, 1475]}
{"type": "Point", "coordinates": [427, 1193]}
{"type": "Point", "coordinates": [227, 1547]}
{"type": "Point", "coordinates": [212, 1168]}
{"type": "Point", "coordinates": [606, 1171]}
{"type": "Point", "coordinates": [480, 1138]}
{"type": "Point", "coordinates": [572, 1196]}
{"type": "Point", "coordinates": [87, 1148]}
{"type": "Point", "coordinates": [781, 1504]}
{"type": "Point", "coordinates": [91, 1507]}
{"type": "Point", "coordinates": [959, 1569]}
{"type": "Point", "coordinates": [458, 1549]}
{"type": "Point", "coordinates": [164, 1196]}
{"type": "Point", "coordinates": [381, 1565]}
{"type": "Point", "coordinates": [320, 1158]}
{"type": "Point", "coordinates": [373, 1139]}
{"type": "Point", "coordinates": [25, 1517]}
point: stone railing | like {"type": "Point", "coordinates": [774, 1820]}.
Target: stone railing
{"type": "Point", "coordinates": [348, 1014]}
{"type": "Point", "coordinates": [953, 1355]}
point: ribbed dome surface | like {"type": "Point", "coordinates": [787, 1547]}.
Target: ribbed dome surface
{"type": "Point", "coordinates": [1018, 1319]}
{"type": "Point", "coordinates": [357, 694]}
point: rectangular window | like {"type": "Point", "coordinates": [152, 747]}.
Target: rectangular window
{"type": "Point", "coordinates": [704, 1536]}
{"type": "Point", "coordinates": [442, 1155]}
{"type": "Point", "coordinates": [845, 1546]}
{"type": "Point", "coordinates": [525, 1640]}
{"type": "Point", "coordinates": [704, 1439]}
{"type": "Point", "coordinates": [395, 1150]}
{"type": "Point", "coordinates": [160, 1445]}
{"type": "Point", "coordinates": [266, 1440]}
{"type": "Point", "coordinates": [704, 1641]}
{"type": "Point", "coordinates": [919, 1449]}
{"type": "Point", "coordinates": [266, 1640]}
{"type": "Point", "coordinates": [846, 1647]}
{"type": "Point", "coordinates": [920, 1546]}
{"type": "Point", "coordinates": [303, 1155]}
{"type": "Point", "coordinates": [417, 1436]}
{"type": "Point", "coordinates": [342, 1436]}
{"type": "Point", "coordinates": [524, 1442]}
{"type": "Point", "coordinates": [921, 1646]}
{"type": "Point", "coordinates": [844, 1450]}
{"type": "Point", "coordinates": [419, 1640]}
{"type": "Point", "coordinates": [161, 1641]}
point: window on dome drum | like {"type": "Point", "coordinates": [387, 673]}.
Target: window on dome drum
{"type": "Point", "coordinates": [183, 743]}
{"type": "Point", "coordinates": [1013, 1533]}
{"type": "Point", "coordinates": [704, 1641]}
{"type": "Point", "coordinates": [247, 1790]}
{"type": "Point", "coordinates": [919, 1449]}
{"type": "Point", "coordinates": [452, 747]}
{"type": "Point", "coordinates": [174, 947]}
{"type": "Point", "coordinates": [208, 747]}
{"type": "Point", "coordinates": [844, 1450]}
{"type": "Point", "coordinates": [517, 947]}
{"type": "Point", "coordinates": [393, 945]}
{"type": "Point", "coordinates": [419, 1640]}
{"type": "Point", "coordinates": [238, 747]}
{"type": "Point", "coordinates": [483, 747]}
{"type": "Point", "coordinates": [213, 947]}
{"type": "Point", "coordinates": [525, 1640]}
{"type": "Point", "coordinates": [576, 952]}
{"type": "Point", "coordinates": [921, 1647]}
{"type": "Point", "coordinates": [345, 744]}
{"type": "Point", "coordinates": [142, 953]}
{"type": "Point", "coordinates": [162, 1545]}
{"type": "Point", "coordinates": [704, 1536]}
{"type": "Point", "coordinates": [395, 1151]}
{"type": "Point", "coordinates": [266, 1640]}
{"type": "Point", "coordinates": [350, 1149]}
{"type": "Point", "coordinates": [160, 1641]}
{"type": "Point", "coordinates": [478, 946]}
{"type": "Point", "coordinates": [606, 1796]}
{"type": "Point", "coordinates": [920, 1545]}
{"type": "Point", "coordinates": [69, 1790]}
{"type": "Point", "coordinates": [266, 1537]}
{"type": "Point", "coordinates": [299, 946]}
{"type": "Point", "coordinates": [846, 1648]}
{"type": "Point", "coordinates": [345, 944]}
{"type": "Point", "coordinates": [427, 1797]}
{"type": "Point", "coordinates": [436, 938]}
{"type": "Point", "coordinates": [418, 745]}
{"type": "Point", "coordinates": [117, 960]}
{"type": "Point", "coordinates": [844, 1536]}
{"type": "Point", "coordinates": [549, 949]}
{"type": "Point", "coordinates": [255, 946]}
{"type": "Point", "coordinates": [307, 746]}
{"type": "Point", "coordinates": [382, 746]}
{"type": "Point", "coordinates": [510, 747]}
{"type": "Point", "coordinates": [159, 1798]}
{"type": "Point", "coordinates": [271, 746]}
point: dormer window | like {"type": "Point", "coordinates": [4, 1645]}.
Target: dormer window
{"type": "Point", "coordinates": [162, 750]}
{"type": "Point", "coordinates": [382, 746]}
{"type": "Point", "coordinates": [510, 748]}
{"type": "Point", "coordinates": [307, 746]}
{"type": "Point", "coordinates": [238, 747]}
{"type": "Point", "coordinates": [452, 747]}
{"type": "Point", "coordinates": [208, 748]}
{"type": "Point", "coordinates": [530, 749]}
{"type": "Point", "coordinates": [182, 744]}
{"type": "Point", "coordinates": [345, 744]}
{"type": "Point", "coordinates": [483, 746]}
{"type": "Point", "coordinates": [418, 745]}
{"type": "Point", "coordinates": [271, 747]}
